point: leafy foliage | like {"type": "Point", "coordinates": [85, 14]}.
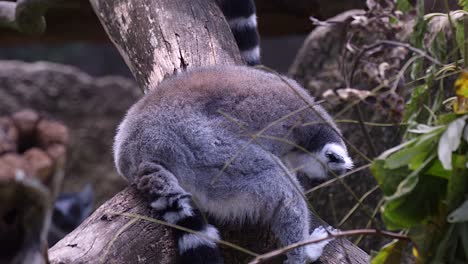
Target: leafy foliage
{"type": "Point", "coordinates": [425, 179]}
{"type": "Point", "coordinates": [403, 5]}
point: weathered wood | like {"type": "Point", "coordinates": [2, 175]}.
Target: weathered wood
{"type": "Point", "coordinates": [158, 38]}
{"type": "Point", "coordinates": [97, 240]}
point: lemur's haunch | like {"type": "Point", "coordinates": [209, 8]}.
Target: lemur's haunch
{"type": "Point", "coordinates": [242, 19]}
{"type": "Point", "coordinates": [175, 142]}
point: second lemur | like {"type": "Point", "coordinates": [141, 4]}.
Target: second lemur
{"type": "Point", "coordinates": [190, 139]}
{"type": "Point", "coordinates": [242, 19]}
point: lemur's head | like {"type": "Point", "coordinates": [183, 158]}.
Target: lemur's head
{"type": "Point", "coordinates": [326, 153]}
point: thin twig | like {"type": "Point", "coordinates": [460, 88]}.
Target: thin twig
{"type": "Point", "coordinates": [356, 122]}
{"type": "Point", "coordinates": [356, 206]}
{"type": "Point", "coordinates": [329, 182]}
{"type": "Point", "coordinates": [157, 221]}
{"type": "Point", "coordinates": [374, 213]}
{"type": "Point", "coordinates": [365, 132]}
{"type": "Point", "coordinates": [114, 238]}
{"type": "Point", "coordinates": [413, 49]}
{"type": "Point", "coordinates": [338, 234]}
{"type": "Point", "coordinates": [319, 23]}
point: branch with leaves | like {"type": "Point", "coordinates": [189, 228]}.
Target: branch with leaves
{"type": "Point", "coordinates": [425, 178]}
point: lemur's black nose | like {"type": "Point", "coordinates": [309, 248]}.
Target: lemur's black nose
{"type": "Point", "coordinates": [333, 157]}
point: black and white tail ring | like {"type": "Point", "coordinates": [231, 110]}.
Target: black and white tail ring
{"type": "Point", "coordinates": [173, 205]}
{"type": "Point", "coordinates": [242, 19]}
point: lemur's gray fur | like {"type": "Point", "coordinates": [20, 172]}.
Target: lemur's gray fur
{"type": "Point", "coordinates": [174, 144]}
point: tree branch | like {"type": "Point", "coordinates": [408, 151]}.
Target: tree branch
{"type": "Point", "coordinates": [159, 38]}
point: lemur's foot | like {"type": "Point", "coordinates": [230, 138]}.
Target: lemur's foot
{"type": "Point", "coordinates": [167, 199]}
{"type": "Point", "coordinates": [315, 250]}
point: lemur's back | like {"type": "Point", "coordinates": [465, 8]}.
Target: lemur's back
{"type": "Point", "coordinates": [256, 97]}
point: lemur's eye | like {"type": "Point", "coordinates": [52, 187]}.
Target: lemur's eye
{"type": "Point", "coordinates": [333, 157]}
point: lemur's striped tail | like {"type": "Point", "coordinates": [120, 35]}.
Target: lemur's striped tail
{"type": "Point", "coordinates": [193, 248]}
{"type": "Point", "coordinates": [241, 15]}
{"type": "Point", "coordinates": [172, 204]}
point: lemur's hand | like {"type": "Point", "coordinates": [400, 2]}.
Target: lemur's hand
{"type": "Point", "coordinates": [314, 251]}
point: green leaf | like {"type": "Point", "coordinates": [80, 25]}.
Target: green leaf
{"type": "Point", "coordinates": [388, 179]}
{"type": "Point", "coordinates": [444, 244]}
{"type": "Point", "coordinates": [419, 150]}
{"type": "Point", "coordinates": [403, 5]}
{"type": "Point", "coordinates": [460, 37]}
{"type": "Point", "coordinates": [457, 187]}
{"type": "Point", "coordinates": [414, 104]}
{"type": "Point", "coordinates": [438, 170]}
{"type": "Point", "coordinates": [427, 237]}
{"type": "Point", "coordinates": [446, 118]}
{"type": "Point", "coordinates": [464, 238]}
{"type": "Point", "coordinates": [423, 129]}
{"type": "Point", "coordinates": [460, 214]}
{"type": "Point", "coordinates": [416, 198]}
{"type": "Point", "coordinates": [438, 46]}
{"type": "Point", "coordinates": [388, 152]}
{"type": "Point", "coordinates": [390, 253]}
{"type": "Point", "coordinates": [463, 4]}
{"type": "Point", "coordinates": [465, 134]}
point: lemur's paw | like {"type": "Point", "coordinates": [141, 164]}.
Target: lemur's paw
{"type": "Point", "coordinates": [315, 250]}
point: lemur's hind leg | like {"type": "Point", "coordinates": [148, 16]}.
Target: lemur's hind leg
{"type": "Point", "coordinates": [172, 203]}
{"type": "Point", "coordinates": [291, 224]}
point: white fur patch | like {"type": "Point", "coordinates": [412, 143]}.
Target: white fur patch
{"type": "Point", "coordinates": [236, 209]}
{"type": "Point", "coordinates": [314, 251]}
{"type": "Point", "coordinates": [189, 241]}
{"type": "Point", "coordinates": [311, 164]}
{"type": "Point", "coordinates": [185, 211]}
{"type": "Point", "coordinates": [338, 149]}
{"type": "Point", "coordinates": [159, 204]}
{"type": "Point", "coordinates": [251, 54]}
{"type": "Point", "coordinates": [316, 165]}
{"type": "Point", "coordinates": [121, 135]}
{"type": "Point", "coordinates": [242, 22]}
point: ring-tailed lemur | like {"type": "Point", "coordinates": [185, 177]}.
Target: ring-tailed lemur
{"type": "Point", "coordinates": [242, 19]}
{"type": "Point", "coordinates": [190, 138]}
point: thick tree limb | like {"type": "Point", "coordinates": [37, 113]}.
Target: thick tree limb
{"type": "Point", "coordinates": [158, 38]}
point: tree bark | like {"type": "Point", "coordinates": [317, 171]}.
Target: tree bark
{"type": "Point", "coordinates": [158, 38]}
